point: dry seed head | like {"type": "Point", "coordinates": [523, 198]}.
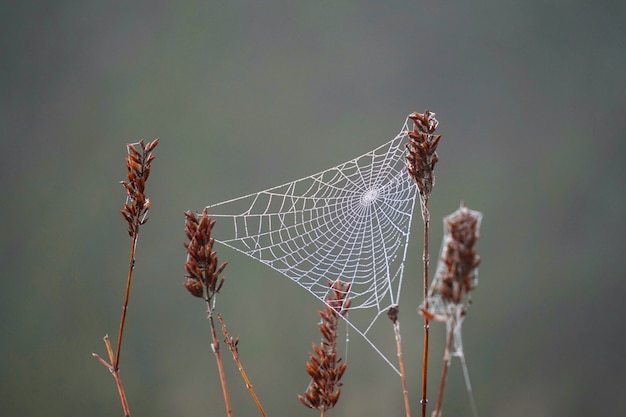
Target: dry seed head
{"type": "Point", "coordinates": [324, 365]}
{"type": "Point", "coordinates": [138, 165]}
{"type": "Point", "coordinates": [203, 273]}
{"type": "Point", "coordinates": [424, 123]}
{"type": "Point", "coordinates": [458, 277]}
{"type": "Point", "coordinates": [421, 151]}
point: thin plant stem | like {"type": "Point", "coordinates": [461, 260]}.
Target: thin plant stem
{"type": "Point", "coordinates": [453, 283]}
{"type": "Point", "coordinates": [426, 260]}
{"type": "Point", "coordinates": [215, 346]}
{"type": "Point", "coordinates": [115, 360]}
{"type": "Point", "coordinates": [120, 390]}
{"type": "Point", "coordinates": [116, 375]}
{"type": "Point", "coordinates": [131, 268]}
{"type": "Point", "coordinates": [232, 345]}
{"type": "Point", "coordinates": [392, 313]}
{"type": "Point", "coordinates": [420, 163]}
{"type": "Point", "coordinates": [118, 379]}
{"type": "Point", "coordinates": [405, 391]}
{"type": "Point", "coordinates": [204, 279]}
{"type": "Point", "coordinates": [135, 211]}
{"type": "Point", "coordinates": [447, 356]}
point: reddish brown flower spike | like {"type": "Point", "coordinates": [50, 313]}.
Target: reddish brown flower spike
{"type": "Point", "coordinates": [460, 259]}
{"type": "Point", "coordinates": [202, 261]}
{"type": "Point", "coordinates": [138, 164]}
{"type": "Point", "coordinates": [194, 287]}
{"type": "Point", "coordinates": [323, 366]}
{"type": "Point", "coordinates": [421, 151]}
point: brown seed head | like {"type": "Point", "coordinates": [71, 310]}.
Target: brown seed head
{"type": "Point", "coordinates": [324, 365]}
{"type": "Point", "coordinates": [421, 151]}
{"type": "Point", "coordinates": [203, 273]}
{"type": "Point", "coordinates": [138, 165]}
{"type": "Point", "coordinates": [458, 278]}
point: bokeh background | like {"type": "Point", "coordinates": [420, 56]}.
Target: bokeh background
{"type": "Point", "coordinates": [244, 95]}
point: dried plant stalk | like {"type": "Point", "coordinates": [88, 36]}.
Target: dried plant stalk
{"type": "Point", "coordinates": [420, 163]}
{"type": "Point", "coordinates": [455, 280]}
{"type": "Point", "coordinates": [234, 350]}
{"type": "Point", "coordinates": [392, 313]}
{"type": "Point", "coordinates": [324, 365]}
{"type": "Point", "coordinates": [135, 211]}
{"type": "Point", "coordinates": [204, 279]}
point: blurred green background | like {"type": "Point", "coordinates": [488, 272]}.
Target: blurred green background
{"type": "Point", "coordinates": [530, 96]}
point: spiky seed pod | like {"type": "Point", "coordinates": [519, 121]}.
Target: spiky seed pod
{"type": "Point", "coordinates": [324, 365]}
{"type": "Point", "coordinates": [194, 287]}
{"type": "Point", "coordinates": [421, 151]}
{"type": "Point", "coordinates": [203, 274]}
{"type": "Point", "coordinates": [458, 277]}
{"type": "Point", "coordinates": [138, 165]}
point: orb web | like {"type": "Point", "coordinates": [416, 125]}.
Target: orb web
{"type": "Point", "coordinates": [350, 222]}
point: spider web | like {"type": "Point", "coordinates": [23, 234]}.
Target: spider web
{"type": "Point", "coordinates": [349, 223]}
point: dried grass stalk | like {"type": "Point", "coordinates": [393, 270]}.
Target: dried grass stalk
{"type": "Point", "coordinates": [456, 278]}
{"type": "Point", "coordinates": [324, 365]}
{"type": "Point", "coordinates": [135, 211]}
{"type": "Point", "coordinates": [204, 279]}
{"type": "Point", "coordinates": [420, 162]}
